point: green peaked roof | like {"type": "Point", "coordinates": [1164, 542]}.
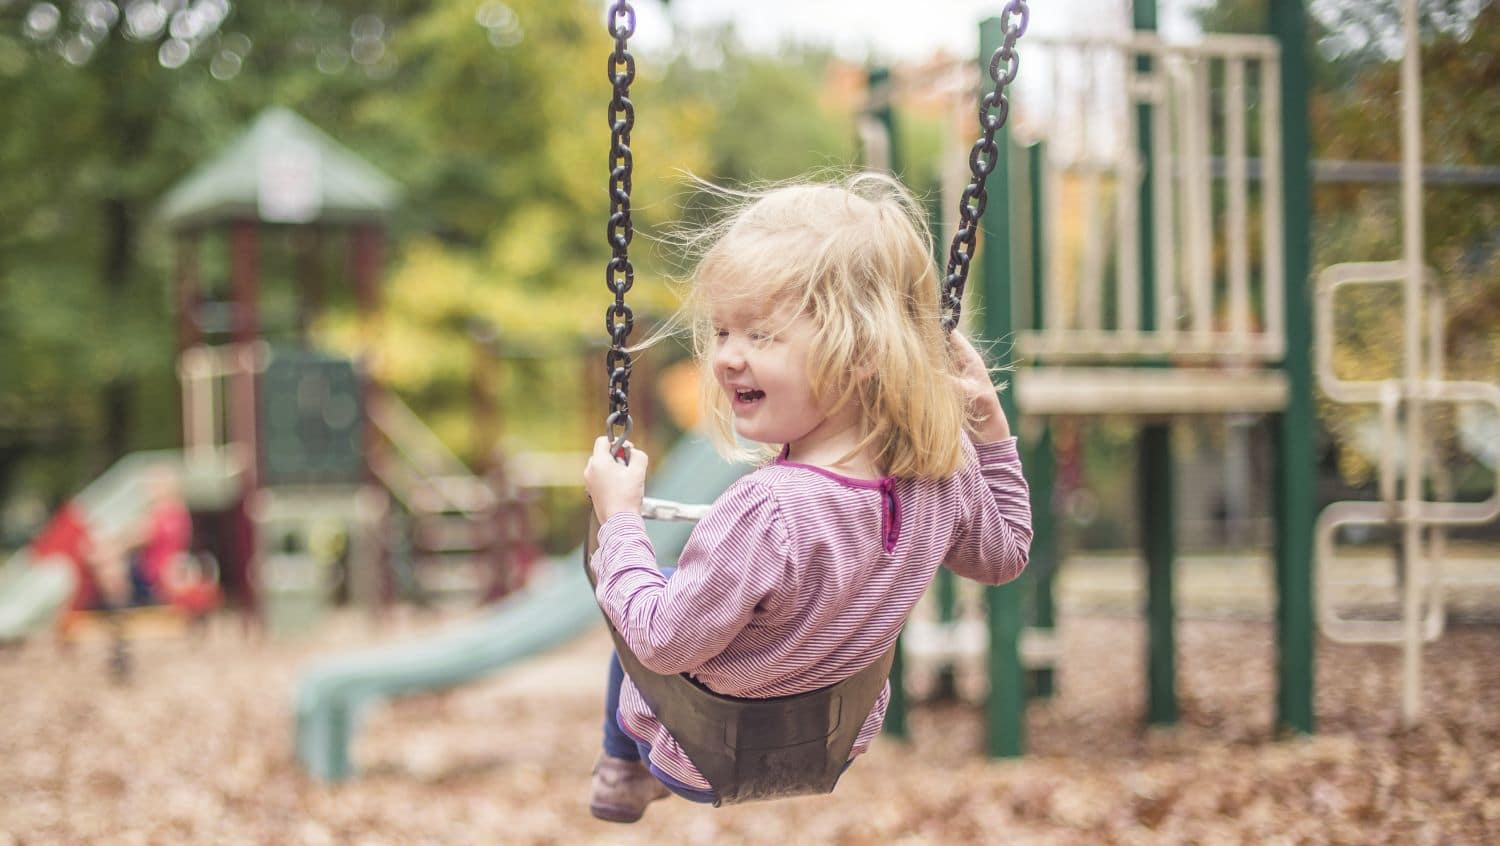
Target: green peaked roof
{"type": "Point", "coordinates": [281, 170]}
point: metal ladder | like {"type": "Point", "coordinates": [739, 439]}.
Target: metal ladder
{"type": "Point", "coordinates": [1418, 567]}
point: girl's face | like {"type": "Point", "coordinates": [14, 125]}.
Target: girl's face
{"type": "Point", "coordinates": [760, 363]}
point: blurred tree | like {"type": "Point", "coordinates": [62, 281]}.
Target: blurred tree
{"type": "Point", "coordinates": [496, 124]}
{"type": "Point", "coordinates": [492, 116]}
{"type": "Point", "coordinates": [516, 203]}
{"type": "Point", "coordinates": [772, 118]}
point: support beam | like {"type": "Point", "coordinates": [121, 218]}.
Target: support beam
{"type": "Point", "coordinates": [1154, 460]}
{"type": "Point", "coordinates": [188, 290]}
{"type": "Point", "coordinates": [367, 248]}
{"type": "Point", "coordinates": [186, 294]}
{"type": "Point", "coordinates": [1041, 474]}
{"type": "Point", "coordinates": [308, 241]}
{"type": "Point", "coordinates": [244, 283]}
{"type": "Point", "coordinates": [1006, 711]}
{"type": "Point", "coordinates": [1295, 505]}
{"type": "Point", "coordinates": [1158, 535]}
{"type": "Point", "coordinates": [895, 713]}
{"type": "Point", "coordinates": [1413, 370]}
{"type": "Point", "coordinates": [1041, 461]}
{"type": "Point", "coordinates": [1143, 14]}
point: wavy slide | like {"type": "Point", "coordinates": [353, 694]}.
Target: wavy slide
{"type": "Point", "coordinates": [557, 606]}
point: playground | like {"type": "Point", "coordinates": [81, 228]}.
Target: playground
{"type": "Point", "coordinates": [301, 553]}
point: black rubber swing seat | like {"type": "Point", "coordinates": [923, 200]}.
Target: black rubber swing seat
{"type": "Point", "coordinates": [751, 749]}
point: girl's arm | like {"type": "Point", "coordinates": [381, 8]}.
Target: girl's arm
{"type": "Point", "coordinates": [994, 536]}
{"type": "Point", "coordinates": [987, 423]}
{"type": "Point", "coordinates": [735, 561]}
{"type": "Point", "coordinates": [993, 541]}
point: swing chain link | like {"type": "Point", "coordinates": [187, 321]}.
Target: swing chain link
{"type": "Point", "coordinates": [619, 274]}
{"type": "Point", "coordinates": [994, 109]}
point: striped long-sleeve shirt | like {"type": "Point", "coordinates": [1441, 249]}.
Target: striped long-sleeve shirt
{"type": "Point", "coordinates": [798, 578]}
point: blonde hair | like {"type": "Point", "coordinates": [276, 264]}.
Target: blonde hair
{"type": "Point", "coordinates": [855, 257]}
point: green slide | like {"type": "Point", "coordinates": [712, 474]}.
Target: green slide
{"type": "Point", "coordinates": [556, 607]}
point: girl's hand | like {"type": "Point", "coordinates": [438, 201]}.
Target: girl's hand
{"type": "Point", "coordinates": [615, 487]}
{"type": "Point", "coordinates": [988, 419]}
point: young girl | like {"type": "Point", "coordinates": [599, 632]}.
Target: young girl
{"type": "Point", "coordinates": [815, 317]}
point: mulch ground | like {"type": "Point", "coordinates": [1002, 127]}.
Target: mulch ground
{"type": "Point", "coordinates": [197, 748]}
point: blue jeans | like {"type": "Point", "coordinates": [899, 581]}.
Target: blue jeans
{"type": "Point", "coordinates": [619, 744]}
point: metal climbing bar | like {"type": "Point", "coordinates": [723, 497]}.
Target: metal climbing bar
{"type": "Point", "coordinates": [1399, 401]}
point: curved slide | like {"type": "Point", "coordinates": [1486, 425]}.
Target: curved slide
{"type": "Point", "coordinates": [36, 584]}
{"type": "Point", "coordinates": [557, 606]}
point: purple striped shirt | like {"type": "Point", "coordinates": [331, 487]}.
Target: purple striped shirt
{"type": "Point", "coordinates": [798, 578]}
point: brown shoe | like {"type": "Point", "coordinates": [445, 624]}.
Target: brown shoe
{"type": "Point", "coordinates": [622, 789]}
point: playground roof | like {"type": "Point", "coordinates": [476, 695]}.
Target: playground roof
{"type": "Point", "coordinates": [281, 170]}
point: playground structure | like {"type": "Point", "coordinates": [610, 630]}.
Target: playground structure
{"type": "Point", "coordinates": [332, 445]}
{"type": "Point", "coordinates": [284, 446]}
{"type": "Point", "coordinates": [1235, 339]}
{"type": "Point", "coordinates": [1158, 233]}
{"type": "Point", "coordinates": [1110, 232]}
{"type": "Point", "coordinates": [1146, 323]}
{"type": "Point", "coordinates": [1182, 292]}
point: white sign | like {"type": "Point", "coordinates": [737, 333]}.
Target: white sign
{"type": "Point", "coordinates": [290, 188]}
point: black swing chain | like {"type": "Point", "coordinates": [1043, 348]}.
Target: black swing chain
{"type": "Point", "coordinates": [619, 274]}
{"type": "Point", "coordinates": [994, 108]}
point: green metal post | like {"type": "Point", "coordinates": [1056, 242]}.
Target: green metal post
{"type": "Point", "coordinates": [945, 687]}
{"type": "Point", "coordinates": [1295, 506]}
{"type": "Point", "coordinates": [1158, 531]}
{"type": "Point", "coordinates": [1006, 711]}
{"type": "Point", "coordinates": [1041, 474]}
{"type": "Point", "coordinates": [1144, 19]}
{"type": "Point", "coordinates": [879, 82]}
{"type": "Point", "coordinates": [1036, 164]}
{"type": "Point", "coordinates": [1154, 461]}
{"type": "Point", "coordinates": [1041, 461]}
{"type": "Point", "coordinates": [895, 714]}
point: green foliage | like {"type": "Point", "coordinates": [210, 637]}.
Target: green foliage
{"type": "Point", "coordinates": [517, 202]}
{"type": "Point", "coordinates": [490, 115]}
{"type": "Point", "coordinates": [770, 122]}
{"type": "Point", "coordinates": [97, 126]}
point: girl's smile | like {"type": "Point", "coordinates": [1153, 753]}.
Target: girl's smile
{"type": "Point", "coordinates": [745, 399]}
{"type": "Point", "coordinates": [760, 363]}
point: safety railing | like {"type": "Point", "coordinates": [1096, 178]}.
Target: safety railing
{"type": "Point", "coordinates": [1199, 126]}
